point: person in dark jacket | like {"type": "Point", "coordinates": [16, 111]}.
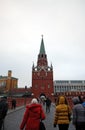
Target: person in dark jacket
{"type": "Point", "coordinates": [78, 114]}
{"type": "Point", "coordinates": [32, 116]}
{"type": "Point", "coordinates": [62, 112]}
{"type": "Point", "coordinates": [80, 99]}
{"type": "Point", "coordinates": [3, 110]}
{"type": "Point", "coordinates": [13, 103]}
{"type": "Point", "coordinates": [48, 104]}
{"type": "Point", "coordinates": [83, 103]}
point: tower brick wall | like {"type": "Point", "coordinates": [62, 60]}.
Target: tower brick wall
{"type": "Point", "coordinates": [42, 75]}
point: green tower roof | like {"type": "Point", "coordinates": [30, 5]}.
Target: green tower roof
{"type": "Point", "coordinates": [42, 48]}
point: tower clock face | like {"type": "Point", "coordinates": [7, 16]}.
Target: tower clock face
{"type": "Point", "coordinates": [42, 71]}
{"type": "Point", "coordinates": [42, 67]}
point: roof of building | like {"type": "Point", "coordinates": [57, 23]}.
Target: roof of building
{"type": "Point", "coordinates": [69, 81]}
{"type": "Point", "coordinates": [5, 77]}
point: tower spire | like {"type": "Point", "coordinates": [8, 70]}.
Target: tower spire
{"type": "Point", "coordinates": [42, 35]}
{"type": "Point", "coordinates": [42, 48]}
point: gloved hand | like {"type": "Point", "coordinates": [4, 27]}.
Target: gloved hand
{"type": "Point", "coordinates": [54, 125]}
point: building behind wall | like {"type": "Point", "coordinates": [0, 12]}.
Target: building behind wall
{"type": "Point", "coordinates": [69, 87]}
{"type": "Point", "coordinates": [7, 83]}
{"type": "Point", "coordinates": [42, 75]}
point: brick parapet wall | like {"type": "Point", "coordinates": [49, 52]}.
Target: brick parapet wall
{"type": "Point", "coordinates": [19, 101]}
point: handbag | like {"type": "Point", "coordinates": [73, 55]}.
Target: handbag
{"type": "Point", "coordinates": [42, 126]}
{"type": "Point", "coordinates": [69, 115]}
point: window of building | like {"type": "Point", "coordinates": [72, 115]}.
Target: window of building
{"type": "Point", "coordinates": [48, 85]}
{"type": "Point", "coordinates": [36, 86]}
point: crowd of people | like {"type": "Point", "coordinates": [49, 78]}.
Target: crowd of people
{"type": "Point", "coordinates": [63, 113]}
{"type": "Point", "coordinates": [35, 113]}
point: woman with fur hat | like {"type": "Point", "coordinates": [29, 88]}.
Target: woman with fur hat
{"type": "Point", "coordinates": [62, 112]}
{"type": "Point", "coordinates": [32, 116]}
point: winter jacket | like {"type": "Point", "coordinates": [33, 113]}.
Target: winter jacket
{"type": "Point", "coordinates": [32, 116]}
{"type": "Point", "coordinates": [48, 102]}
{"type": "Point", "coordinates": [3, 109]}
{"type": "Point", "coordinates": [79, 113]}
{"type": "Point", "coordinates": [83, 104]}
{"type": "Point", "coordinates": [61, 113]}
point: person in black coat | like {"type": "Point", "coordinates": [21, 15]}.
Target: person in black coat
{"type": "Point", "coordinates": [3, 110]}
{"type": "Point", "coordinates": [48, 104]}
{"type": "Point", "coordinates": [13, 103]}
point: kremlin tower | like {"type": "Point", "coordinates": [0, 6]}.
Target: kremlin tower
{"type": "Point", "coordinates": [42, 75]}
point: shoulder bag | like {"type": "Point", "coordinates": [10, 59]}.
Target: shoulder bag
{"type": "Point", "coordinates": [42, 126]}
{"type": "Point", "coordinates": [69, 115]}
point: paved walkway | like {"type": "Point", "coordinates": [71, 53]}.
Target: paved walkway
{"type": "Point", "coordinates": [14, 118]}
{"type": "Point", "coordinates": [14, 110]}
{"type": "Point", "coordinates": [50, 118]}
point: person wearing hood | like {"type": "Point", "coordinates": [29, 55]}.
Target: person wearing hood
{"type": "Point", "coordinates": [62, 112]}
{"type": "Point", "coordinates": [32, 116]}
{"type": "Point", "coordinates": [3, 110]}
{"type": "Point", "coordinates": [79, 114]}
{"type": "Point", "coordinates": [83, 101]}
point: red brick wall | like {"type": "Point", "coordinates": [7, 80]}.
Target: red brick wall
{"type": "Point", "coordinates": [19, 101]}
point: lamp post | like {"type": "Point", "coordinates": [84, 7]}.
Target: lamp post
{"type": "Point", "coordinates": [25, 95]}
{"type": "Point", "coordinates": [10, 88]}
{"type": "Point", "coordinates": [52, 96]}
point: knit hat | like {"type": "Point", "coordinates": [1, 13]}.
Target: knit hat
{"type": "Point", "coordinates": [61, 100]}
{"type": "Point", "coordinates": [75, 100]}
{"type": "Point", "coordinates": [34, 100]}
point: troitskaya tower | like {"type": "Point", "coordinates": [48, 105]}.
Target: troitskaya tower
{"type": "Point", "coordinates": [42, 75]}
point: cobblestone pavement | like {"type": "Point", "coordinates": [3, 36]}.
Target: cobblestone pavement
{"type": "Point", "coordinates": [14, 117]}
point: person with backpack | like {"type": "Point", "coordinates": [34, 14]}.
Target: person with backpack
{"type": "Point", "coordinates": [48, 104]}
{"type": "Point", "coordinates": [3, 110]}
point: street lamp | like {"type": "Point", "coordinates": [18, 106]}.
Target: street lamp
{"type": "Point", "coordinates": [25, 95]}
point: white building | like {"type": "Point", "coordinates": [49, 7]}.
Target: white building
{"type": "Point", "coordinates": [69, 86]}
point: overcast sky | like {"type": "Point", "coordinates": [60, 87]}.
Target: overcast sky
{"type": "Point", "coordinates": [62, 22]}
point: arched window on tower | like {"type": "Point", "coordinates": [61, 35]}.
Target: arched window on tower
{"type": "Point", "coordinates": [48, 85]}
{"type": "Point", "coordinates": [42, 55]}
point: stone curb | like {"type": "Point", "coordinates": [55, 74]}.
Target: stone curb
{"type": "Point", "coordinates": [14, 110]}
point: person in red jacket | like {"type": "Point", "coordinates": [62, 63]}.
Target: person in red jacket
{"type": "Point", "coordinates": [32, 116]}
